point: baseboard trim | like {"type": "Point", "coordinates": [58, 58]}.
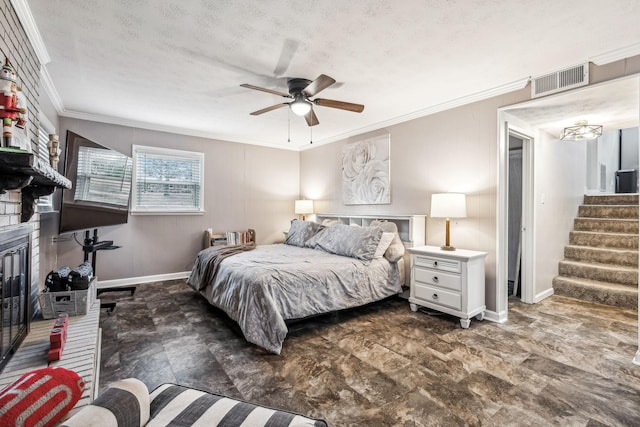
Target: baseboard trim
{"type": "Point", "coordinates": [494, 316]}
{"type": "Point", "coordinates": [542, 295]}
{"type": "Point", "coordinates": [129, 281]}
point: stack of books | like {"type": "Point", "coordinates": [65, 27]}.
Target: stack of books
{"type": "Point", "coordinates": [229, 238]}
{"type": "Point", "coordinates": [237, 237]}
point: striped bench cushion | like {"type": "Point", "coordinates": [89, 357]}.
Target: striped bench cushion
{"type": "Point", "coordinates": [124, 404]}
{"type": "Point", "coordinates": [174, 405]}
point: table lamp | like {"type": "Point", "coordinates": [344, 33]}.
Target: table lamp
{"type": "Point", "coordinates": [304, 207]}
{"type": "Point", "coordinates": [448, 205]}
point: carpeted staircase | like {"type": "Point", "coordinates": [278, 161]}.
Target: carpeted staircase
{"type": "Point", "coordinates": [601, 260]}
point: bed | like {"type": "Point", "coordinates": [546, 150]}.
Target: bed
{"type": "Point", "coordinates": [319, 269]}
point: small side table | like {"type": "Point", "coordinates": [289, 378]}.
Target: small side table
{"type": "Point", "coordinates": [448, 281]}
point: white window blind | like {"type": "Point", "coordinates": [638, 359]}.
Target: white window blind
{"type": "Point", "coordinates": [167, 180]}
{"type": "Point", "coordinates": [43, 155]}
{"type": "Point", "coordinates": [103, 176]}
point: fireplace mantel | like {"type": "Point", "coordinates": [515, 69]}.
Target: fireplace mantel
{"type": "Point", "coordinates": [22, 170]}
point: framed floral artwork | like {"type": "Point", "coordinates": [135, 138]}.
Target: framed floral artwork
{"type": "Point", "coordinates": [365, 172]}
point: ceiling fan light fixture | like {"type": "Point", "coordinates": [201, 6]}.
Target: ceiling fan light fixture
{"type": "Point", "coordinates": [300, 106]}
{"type": "Point", "coordinates": [582, 131]}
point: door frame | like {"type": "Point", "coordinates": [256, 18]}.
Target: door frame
{"type": "Point", "coordinates": [509, 125]}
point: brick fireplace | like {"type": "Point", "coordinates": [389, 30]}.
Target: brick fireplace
{"type": "Point", "coordinates": [15, 45]}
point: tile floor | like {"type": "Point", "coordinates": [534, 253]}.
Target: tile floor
{"type": "Point", "coordinates": [559, 362]}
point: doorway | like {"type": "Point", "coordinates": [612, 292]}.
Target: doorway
{"type": "Point", "coordinates": [514, 214]}
{"type": "Point", "coordinates": [519, 195]}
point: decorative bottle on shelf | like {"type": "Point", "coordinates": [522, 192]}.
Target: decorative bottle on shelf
{"type": "Point", "coordinates": [54, 151]}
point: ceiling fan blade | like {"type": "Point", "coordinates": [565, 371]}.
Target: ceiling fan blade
{"type": "Point", "coordinates": [273, 107]}
{"type": "Point", "coordinates": [262, 89]}
{"type": "Point", "coordinates": [356, 108]}
{"type": "Point", "coordinates": [319, 84]}
{"type": "Point", "coordinates": [311, 118]}
{"type": "Point", "coordinates": [289, 49]}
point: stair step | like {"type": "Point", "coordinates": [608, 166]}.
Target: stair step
{"type": "Point", "coordinates": [606, 225]}
{"type": "Point", "coordinates": [599, 292]}
{"type": "Point", "coordinates": [626, 257]}
{"type": "Point", "coordinates": [611, 199]}
{"type": "Point", "coordinates": [608, 211]}
{"type": "Point", "coordinates": [619, 274]}
{"type": "Point", "coordinates": [603, 240]}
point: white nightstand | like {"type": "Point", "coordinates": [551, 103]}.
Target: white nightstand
{"type": "Point", "coordinates": [448, 281]}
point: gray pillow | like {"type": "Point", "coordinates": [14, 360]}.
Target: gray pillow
{"type": "Point", "coordinates": [342, 239]}
{"type": "Point", "coordinates": [329, 222]}
{"type": "Point", "coordinates": [301, 231]}
{"type": "Point", "coordinates": [395, 251]}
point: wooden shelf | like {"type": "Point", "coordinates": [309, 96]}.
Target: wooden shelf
{"type": "Point", "coordinates": [22, 170]}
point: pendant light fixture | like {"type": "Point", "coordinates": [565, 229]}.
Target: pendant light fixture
{"type": "Point", "coordinates": [581, 131]}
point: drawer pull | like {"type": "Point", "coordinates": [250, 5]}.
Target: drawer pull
{"type": "Point", "coordinates": [435, 279]}
{"type": "Point", "coordinates": [435, 263]}
{"type": "Point", "coordinates": [434, 296]}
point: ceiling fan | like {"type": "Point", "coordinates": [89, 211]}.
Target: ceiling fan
{"type": "Point", "coordinates": [301, 91]}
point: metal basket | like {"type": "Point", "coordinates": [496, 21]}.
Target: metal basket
{"type": "Point", "coordinates": [74, 303]}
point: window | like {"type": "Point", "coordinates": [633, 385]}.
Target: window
{"type": "Point", "coordinates": [45, 203]}
{"type": "Point", "coordinates": [103, 176]}
{"type": "Point", "coordinates": [167, 181]}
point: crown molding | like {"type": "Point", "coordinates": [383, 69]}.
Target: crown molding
{"type": "Point", "coordinates": [475, 97]}
{"type": "Point", "coordinates": [616, 55]}
{"type": "Point", "coordinates": [163, 128]}
{"type": "Point", "coordinates": [33, 34]}
{"type": "Point", "coordinates": [50, 89]}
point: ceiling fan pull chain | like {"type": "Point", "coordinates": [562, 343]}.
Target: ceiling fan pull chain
{"type": "Point", "coordinates": [310, 134]}
{"type": "Point", "coordinates": [289, 126]}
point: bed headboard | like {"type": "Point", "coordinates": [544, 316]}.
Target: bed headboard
{"type": "Point", "coordinates": [411, 228]}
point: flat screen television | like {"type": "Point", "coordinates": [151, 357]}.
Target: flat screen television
{"type": "Point", "coordinates": [101, 179]}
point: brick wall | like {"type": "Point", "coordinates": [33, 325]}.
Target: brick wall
{"type": "Point", "coordinates": [15, 45]}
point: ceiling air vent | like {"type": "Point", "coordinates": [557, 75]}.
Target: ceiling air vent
{"type": "Point", "coordinates": [559, 81]}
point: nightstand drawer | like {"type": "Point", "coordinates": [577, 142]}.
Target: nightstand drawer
{"type": "Point", "coordinates": [438, 279]}
{"type": "Point", "coordinates": [438, 296]}
{"type": "Point", "coordinates": [438, 263]}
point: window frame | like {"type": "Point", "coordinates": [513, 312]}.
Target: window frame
{"type": "Point", "coordinates": [178, 154]}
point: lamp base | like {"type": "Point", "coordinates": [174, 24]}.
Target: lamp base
{"type": "Point", "coordinates": [448, 248]}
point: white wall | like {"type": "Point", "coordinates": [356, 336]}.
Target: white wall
{"type": "Point", "coordinates": [629, 148]}
{"type": "Point", "coordinates": [560, 180]}
{"type": "Point", "coordinates": [593, 168]}
{"type": "Point", "coordinates": [608, 154]}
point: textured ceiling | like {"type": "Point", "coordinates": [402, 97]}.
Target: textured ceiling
{"type": "Point", "coordinates": [177, 65]}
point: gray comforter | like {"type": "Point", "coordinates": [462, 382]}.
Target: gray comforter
{"type": "Point", "coordinates": [262, 288]}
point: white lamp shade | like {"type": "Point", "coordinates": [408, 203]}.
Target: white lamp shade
{"type": "Point", "coordinates": [448, 205]}
{"type": "Point", "coordinates": [304, 207]}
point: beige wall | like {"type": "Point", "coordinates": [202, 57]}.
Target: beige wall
{"type": "Point", "coordinates": [245, 187]}
{"type": "Point", "coordinates": [453, 150]}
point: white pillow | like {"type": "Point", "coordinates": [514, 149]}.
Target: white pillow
{"type": "Point", "coordinates": [385, 241]}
